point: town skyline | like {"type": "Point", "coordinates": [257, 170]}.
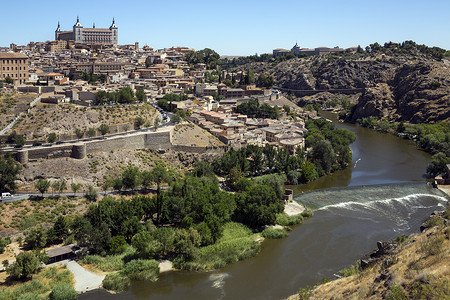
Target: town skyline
{"type": "Point", "coordinates": [237, 28]}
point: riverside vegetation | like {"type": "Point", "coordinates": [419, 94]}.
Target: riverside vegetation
{"type": "Point", "coordinates": [193, 223]}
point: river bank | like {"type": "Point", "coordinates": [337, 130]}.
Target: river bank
{"type": "Point", "coordinates": [330, 241]}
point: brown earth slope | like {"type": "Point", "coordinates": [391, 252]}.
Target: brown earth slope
{"type": "Point", "coordinates": [398, 87]}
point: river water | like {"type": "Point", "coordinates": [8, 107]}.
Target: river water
{"type": "Point", "coordinates": [383, 195]}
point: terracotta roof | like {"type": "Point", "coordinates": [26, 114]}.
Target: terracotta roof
{"type": "Point", "coordinates": [13, 55]}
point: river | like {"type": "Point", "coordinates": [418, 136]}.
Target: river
{"type": "Point", "coordinates": [381, 196]}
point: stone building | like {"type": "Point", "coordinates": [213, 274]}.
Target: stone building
{"type": "Point", "coordinates": [81, 35]}
{"type": "Point", "coordinates": [15, 66]}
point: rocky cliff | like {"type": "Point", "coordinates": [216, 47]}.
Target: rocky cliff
{"type": "Point", "coordinates": [397, 87]}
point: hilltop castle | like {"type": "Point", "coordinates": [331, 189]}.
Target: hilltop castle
{"type": "Point", "coordinates": [79, 34]}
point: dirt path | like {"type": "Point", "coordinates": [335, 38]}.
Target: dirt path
{"type": "Point", "coordinates": [84, 280]}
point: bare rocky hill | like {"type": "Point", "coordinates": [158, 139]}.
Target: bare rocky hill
{"type": "Point", "coordinates": [399, 87]}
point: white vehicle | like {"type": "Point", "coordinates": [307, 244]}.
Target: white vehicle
{"type": "Point", "coordinates": [6, 195]}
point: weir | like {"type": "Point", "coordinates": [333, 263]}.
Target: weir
{"type": "Point", "coordinates": [366, 194]}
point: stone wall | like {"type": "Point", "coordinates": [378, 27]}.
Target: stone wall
{"type": "Point", "coordinates": [153, 140]}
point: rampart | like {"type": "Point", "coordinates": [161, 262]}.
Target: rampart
{"type": "Point", "coordinates": [154, 140]}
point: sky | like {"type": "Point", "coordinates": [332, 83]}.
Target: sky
{"type": "Point", "coordinates": [234, 27]}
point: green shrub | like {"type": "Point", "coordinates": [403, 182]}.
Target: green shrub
{"type": "Point", "coordinates": [232, 230]}
{"type": "Point", "coordinates": [305, 293]}
{"type": "Point", "coordinates": [433, 245]}
{"type": "Point", "coordinates": [27, 297]}
{"type": "Point", "coordinates": [352, 270]}
{"type": "Point", "coordinates": [108, 263]}
{"type": "Point", "coordinates": [284, 220]}
{"type": "Point", "coordinates": [141, 269]}
{"type": "Point", "coordinates": [273, 233]}
{"type": "Point", "coordinates": [307, 214]}
{"type": "Point", "coordinates": [116, 282]}
{"type": "Point", "coordinates": [34, 286]}
{"type": "Point", "coordinates": [434, 221]}
{"type": "Point", "coordinates": [220, 254]}
{"type": "Point", "coordinates": [63, 291]}
{"type": "Point", "coordinates": [395, 293]}
{"type": "Point", "coordinates": [400, 239]}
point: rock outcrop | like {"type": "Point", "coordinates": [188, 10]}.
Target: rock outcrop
{"type": "Point", "coordinates": [398, 87]}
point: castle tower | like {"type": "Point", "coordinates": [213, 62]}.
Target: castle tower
{"type": "Point", "coordinates": [78, 31]}
{"type": "Point", "coordinates": [114, 33]}
{"type": "Point", "coordinates": [57, 32]}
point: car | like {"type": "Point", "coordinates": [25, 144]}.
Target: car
{"type": "Point", "coordinates": [17, 146]}
{"type": "Point", "coordinates": [59, 142]}
{"type": "Point", "coordinates": [7, 195]}
{"type": "Point", "coordinates": [36, 144]}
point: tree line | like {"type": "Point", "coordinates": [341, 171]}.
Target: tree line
{"type": "Point", "coordinates": [329, 151]}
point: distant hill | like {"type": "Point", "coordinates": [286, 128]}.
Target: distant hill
{"type": "Point", "coordinates": [401, 82]}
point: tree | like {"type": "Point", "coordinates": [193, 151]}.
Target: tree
{"type": "Point", "coordinates": [309, 172]}
{"type": "Point", "coordinates": [138, 122]}
{"type": "Point", "coordinates": [51, 137]}
{"type": "Point", "coordinates": [19, 140]}
{"type": "Point", "coordinates": [145, 244]}
{"type": "Point", "coordinates": [60, 229]}
{"type": "Point", "coordinates": [176, 118]}
{"type": "Point", "coordinates": [91, 132]}
{"type": "Point", "coordinates": [91, 194]}
{"type": "Point", "coordinates": [79, 133]}
{"type": "Point", "coordinates": [62, 185]}
{"type": "Point", "coordinates": [258, 206]}
{"type": "Point", "coordinates": [9, 80]}
{"type": "Point", "coordinates": [438, 164]}
{"type": "Point", "coordinates": [117, 245]}
{"type": "Point", "coordinates": [9, 169]}
{"type": "Point", "coordinates": [42, 185]}
{"type": "Point", "coordinates": [140, 95]}
{"type": "Point", "coordinates": [36, 237]}
{"type": "Point", "coordinates": [26, 264]}
{"type": "Point", "coordinates": [75, 187]}
{"type": "Point", "coordinates": [55, 187]}
{"type": "Point", "coordinates": [104, 129]}
{"type": "Point", "coordinates": [101, 97]}
{"type": "Point", "coordinates": [131, 177]}
{"type": "Point", "coordinates": [3, 244]}
{"type": "Point", "coordinates": [156, 123]}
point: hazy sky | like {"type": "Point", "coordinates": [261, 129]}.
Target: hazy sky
{"type": "Point", "coordinates": [236, 27]}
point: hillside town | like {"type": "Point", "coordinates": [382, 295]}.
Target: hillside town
{"type": "Point", "coordinates": [78, 70]}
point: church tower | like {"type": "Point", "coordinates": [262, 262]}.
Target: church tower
{"type": "Point", "coordinates": [114, 33]}
{"type": "Point", "coordinates": [78, 31]}
{"type": "Point", "coordinates": [57, 32]}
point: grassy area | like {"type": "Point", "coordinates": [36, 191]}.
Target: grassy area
{"type": "Point", "coordinates": [139, 269]}
{"type": "Point", "coordinates": [274, 233]}
{"type": "Point", "coordinates": [108, 263]}
{"type": "Point", "coordinates": [40, 286]}
{"type": "Point", "coordinates": [237, 243]}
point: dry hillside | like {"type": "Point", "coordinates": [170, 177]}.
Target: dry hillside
{"type": "Point", "coordinates": [419, 268]}
{"type": "Point", "coordinates": [64, 119]}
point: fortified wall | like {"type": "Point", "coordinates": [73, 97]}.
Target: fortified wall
{"type": "Point", "coordinates": [154, 140]}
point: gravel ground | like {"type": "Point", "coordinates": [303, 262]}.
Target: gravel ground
{"type": "Point", "coordinates": [84, 280]}
{"type": "Point", "coordinates": [293, 208]}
